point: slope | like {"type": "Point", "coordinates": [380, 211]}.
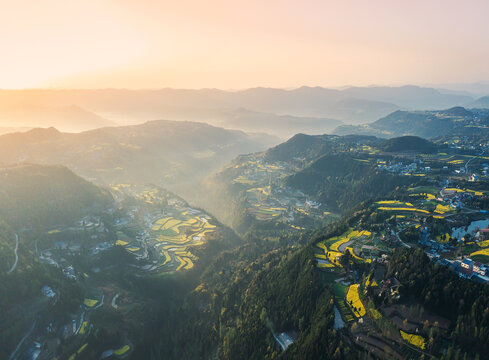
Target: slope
{"type": "Point", "coordinates": [174, 154]}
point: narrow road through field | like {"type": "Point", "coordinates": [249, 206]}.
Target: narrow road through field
{"type": "Point", "coordinates": [467, 163]}
{"type": "Point", "coordinates": [399, 239]}
{"type": "Point", "coordinates": [16, 255]}
{"type": "Point", "coordinates": [343, 246]}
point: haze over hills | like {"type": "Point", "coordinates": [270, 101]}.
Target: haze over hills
{"type": "Point", "coordinates": [65, 118]}
{"type": "Point", "coordinates": [477, 89]}
{"type": "Point", "coordinates": [280, 200]}
{"type": "Point", "coordinates": [284, 126]}
{"type": "Point", "coordinates": [305, 212]}
{"type": "Point", "coordinates": [173, 153]}
{"type": "Point", "coordinates": [311, 109]}
{"type": "Point", "coordinates": [482, 102]}
{"type": "Point", "coordinates": [244, 180]}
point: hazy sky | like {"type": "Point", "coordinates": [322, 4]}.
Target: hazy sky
{"type": "Point", "coordinates": [238, 44]}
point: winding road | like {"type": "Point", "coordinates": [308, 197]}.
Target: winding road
{"type": "Point", "coordinates": [14, 354]}
{"type": "Point", "coordinates": [16, 255]}
{"type": "Point", "coordinates": [399, 239]}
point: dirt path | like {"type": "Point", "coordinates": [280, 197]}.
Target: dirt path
{"type": "Point", "coordinates": [114, 299]}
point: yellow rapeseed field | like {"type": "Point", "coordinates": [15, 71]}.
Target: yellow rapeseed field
{"type": "Point", "coordinates": [353, 300]}
{"type": "Point", "coordinates": [389, 202]}
{"type": "Point", "coordinates": [481, 252]}
{"type": "Point", "coordinates": [441, 209]}
{"type": "Point", "coordinates": [333, 257]}
{"type": "Point", "coordinates": [375, 314]}
{"type": "Point", "coordinates": [384, 208]}
{"type": "Point", "coordinates": [413, 339]}
{"type": "Point", "coordinates": [122, 350]}
{"type": "Point", "coordinates": [483, 244]}
{"type": "Point", "coordinates": [90, 302]}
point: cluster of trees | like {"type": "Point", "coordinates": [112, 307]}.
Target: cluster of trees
{"type": "Point", "coordinates": [408, 143]}
{"type": "Point", "coordinates": [465, 303]}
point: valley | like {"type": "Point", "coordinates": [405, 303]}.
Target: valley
{"type": "Point", "coordinates": [244, 180]}
{"type": "Point", "coordinates": [155, 236]}
{"type": "Point", "coordinates": [326, 224]}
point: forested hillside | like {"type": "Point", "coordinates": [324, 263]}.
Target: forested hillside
{"type": "Point", "coordinates": [240, 314]}
{"type": "Point", "coordinates": [465, 303]}
{"type": "Point", "coordinates": [38, 195]}
{"type": "Point", "coordinates": [341, 181]}
{"type": "Point", "coordinates": [310, 147]}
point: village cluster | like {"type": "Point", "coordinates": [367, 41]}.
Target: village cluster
{"type": "Point", "coordinates": [159, 231]}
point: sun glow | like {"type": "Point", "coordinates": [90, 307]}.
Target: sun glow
{"type": "Point", "coordinates": [192, 44]}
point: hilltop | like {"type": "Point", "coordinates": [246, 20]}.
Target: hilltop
{"type": "Point", "coordinates": [425, 124]}
{"type": "Point", "coordinates": [33, 195]}
{"type": "Point", "coordinates": [172, 153]}
{"type": "Point", "coordinates": [312, 146]}
{"type": "Point", "coordinates": [408, 143]}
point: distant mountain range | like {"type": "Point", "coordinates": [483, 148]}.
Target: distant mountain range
{"type": "Point", "coordinates": [277, 111]}
{"type": "Point", "coordinates": [66, 118]}
{"type": "Point", "coordinates": [475, 89]}
{"type": "Point", "coordinates": [170, 153]}
{"type": "Point", "coordinates": [482, 102]}
{"type": "Point", "coordinates": [284, 126]}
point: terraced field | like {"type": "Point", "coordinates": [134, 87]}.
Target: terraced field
{"type": "Point", "coordinates": [167, 229]}
{"type": "Point", "coordinates": [333, 248]}
{"type": "Point", "coordinates": [425, 204]}
{"type": "Point", "coordinates": [176, 236]}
